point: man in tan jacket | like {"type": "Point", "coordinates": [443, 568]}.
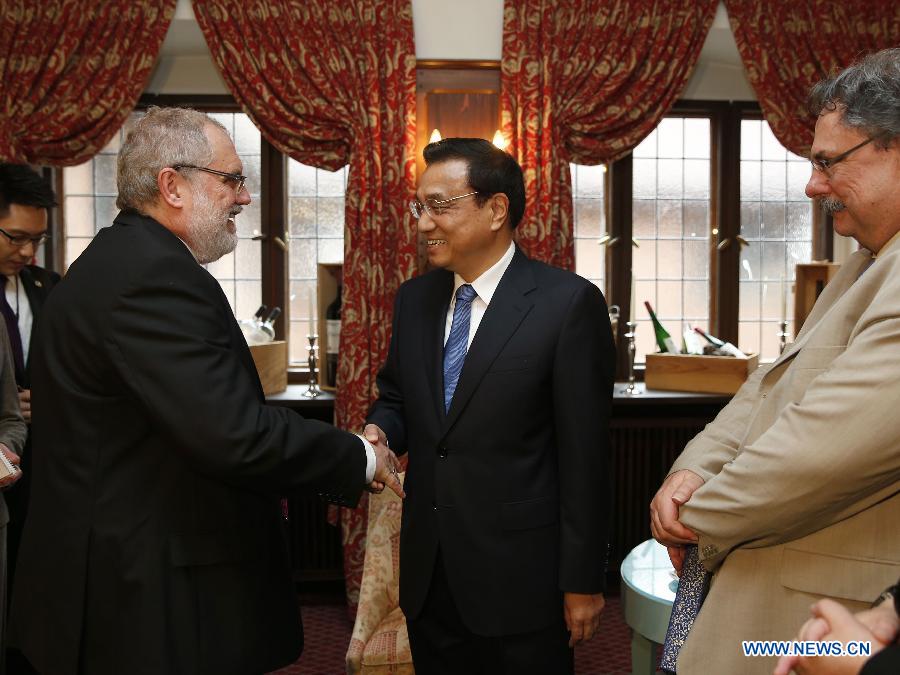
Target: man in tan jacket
{"type": "Point", "coordinates": [792, 493]}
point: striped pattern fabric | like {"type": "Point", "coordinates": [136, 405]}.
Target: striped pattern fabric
{"type": "Point", "coordinates": [457, 342]}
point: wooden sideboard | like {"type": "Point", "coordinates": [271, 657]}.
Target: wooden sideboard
{"type": "Point", "coordinates": [648, 432]}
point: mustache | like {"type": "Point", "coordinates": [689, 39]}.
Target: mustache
{"type": "Point", "coordinates": [233, 212]}
{"type": "Point", "coordinates": [832, 206]}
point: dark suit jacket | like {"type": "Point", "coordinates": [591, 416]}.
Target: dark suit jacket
{"type": "Point", "coordinates": [37, 283]}
{"type": "Point", "coordinates": [512, 484]}
{"type": "Point", "coordinates": [154, 541]}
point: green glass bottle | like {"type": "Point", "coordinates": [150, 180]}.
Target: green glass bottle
{"type": "Point", "coordinates": [663, 339]}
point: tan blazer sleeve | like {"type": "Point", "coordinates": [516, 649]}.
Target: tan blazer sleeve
{"type": "Point", "coordinates": [13, 430]}
{"type": "Point", "coordinates": [829, 455]}
{"type": "Point", "coordinates": [718, 443]}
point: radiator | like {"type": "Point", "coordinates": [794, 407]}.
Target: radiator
{"type": "Point", "coordinates": [642, 453]}
{"type": "Point", "coordinates": [315, 545]}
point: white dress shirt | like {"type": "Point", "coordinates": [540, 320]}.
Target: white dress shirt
{"type": "Point", "coordinates": [18, 300]}
{"type": "Point", "coordinates": [485, 286]}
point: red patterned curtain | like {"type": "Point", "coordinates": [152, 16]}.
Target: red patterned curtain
{"type": "Point", "coordinates": [70, 73]}
{"type": "Point", "coordinates": [331, 83]}
{"type": "Point", "coordinates": [787, 47]}
{"type": "Point", "coordinates": [585, 81]}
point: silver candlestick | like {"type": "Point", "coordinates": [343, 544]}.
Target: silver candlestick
{"type": "Point", "coordinates": [630, 390]}
{"type": "Point", "coordinates": [312, 391]}
{"type": "Point", "coordinates": [782, 336]}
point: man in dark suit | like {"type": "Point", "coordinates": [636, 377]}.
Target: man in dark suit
{"type": "Point", "coordinates": [25, 198]}
{"type": "Point", "coordinates": [498, 383]}
{"type": "Point", "coordinates": [154, 539]}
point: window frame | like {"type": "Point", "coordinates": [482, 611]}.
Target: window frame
{"type": "Point", "coordinates": [725, 128]}
{"type": "Point", "coordinates": [725, 221]}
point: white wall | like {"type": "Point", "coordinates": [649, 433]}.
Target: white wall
{"type": "Point", "coordinates": [464, 29]}
{"type": "Point", "coordinates": [461, 30]}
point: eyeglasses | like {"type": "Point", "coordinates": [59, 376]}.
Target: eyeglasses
{"type": "Point", "coordinates": [826, 164]}
{"type": "Point", "coordinates": [235, 178]}
{"type": "Point", "coordinates": [434, 207]}
{"type": "Point", "coordinates": [22, 240]}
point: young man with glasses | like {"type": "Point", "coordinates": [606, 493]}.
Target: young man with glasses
{"type": "Point", "coordinates": [498, 385]}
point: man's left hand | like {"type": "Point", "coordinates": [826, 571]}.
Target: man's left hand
{"type": "Point", "coordinates": [582, 612]}
{"type": "Point", "coordinates": [25, 404]}
{"type": "Point", "coordinates": [832, 621]}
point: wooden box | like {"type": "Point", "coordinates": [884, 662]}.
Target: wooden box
{"type": "Point", "coordinates": [327, 279]}
{"type": "Point", "coordinates": [271, 364]}
{"type": "Point", "coordinates": [811, 278]}
{"type": "Point", "coordinates": [703, 374]}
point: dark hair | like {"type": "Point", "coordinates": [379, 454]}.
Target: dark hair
{"type": "Point", "coordinates": [491, 171]}
{"type": "Point", "coordinates": [20, 185]}
{"type": "Point", "coordinates": [867, 96]}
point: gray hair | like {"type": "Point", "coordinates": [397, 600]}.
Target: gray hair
{"type": "Point", "coordinates": [867, 96]}
{"type": "Point", "coordinates": [163, 137]}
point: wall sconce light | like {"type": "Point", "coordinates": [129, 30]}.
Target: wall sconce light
{"type": "Point", "coordinates": [435, 136]}
{"type": "Point", "coordinates": [499, 141]}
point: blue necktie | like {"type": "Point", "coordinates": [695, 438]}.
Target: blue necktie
{"type": "Point", "coordinates": [693, 585]}
{"type": "Point", "coordinates": [457, 342]}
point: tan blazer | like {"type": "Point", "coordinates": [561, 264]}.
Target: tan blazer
{"type": "Point", "coordinates": [802, 471]}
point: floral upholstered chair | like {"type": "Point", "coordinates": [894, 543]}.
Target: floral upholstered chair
{"type": "Point", "coordinates": [380, 645]}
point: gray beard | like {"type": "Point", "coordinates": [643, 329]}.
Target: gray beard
{"type": "Point", "coordinates": [832, 206]}
{"type": "Point", "coordinates": [208, 230]}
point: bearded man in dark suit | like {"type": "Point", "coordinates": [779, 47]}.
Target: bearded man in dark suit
{"type": "Point", "coordinates": [498, 384]}
{"type": "Point", "coordinates": [154, 541]}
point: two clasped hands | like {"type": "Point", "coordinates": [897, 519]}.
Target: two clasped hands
{"type": "Point", "coordinates": [830, 620]}
{"type": "Point", "coordinates": [387, 466]}
{"type": "Point", "coordinates": [675, 491]}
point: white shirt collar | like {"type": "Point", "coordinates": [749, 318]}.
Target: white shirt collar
{"type": "Point", "coordinates": [486, 284]}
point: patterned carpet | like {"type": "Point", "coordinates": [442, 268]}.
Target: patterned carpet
{"type": "Point", "coordinates": [327, 634]}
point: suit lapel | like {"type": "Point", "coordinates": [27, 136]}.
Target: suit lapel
{"type": "Point", "coordinates": [844, 279]}
{"type": "Point", "coordinates": [508, 308]}
{"type": "Point", "coordinates": [35, 302]}
{"type": "Point", "coordinates": [239, 345]}
{"type": "Point", "coordinates": [171, 241]}
{"type": "Point", "coordinates": [434, 320]}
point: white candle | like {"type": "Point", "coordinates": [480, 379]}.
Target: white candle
{"type": "Point", "coordinates": [312, 312]}
{"type": "Point", "coordinates": [784, 294]}
{"type": "Point", "coordinates": [632, 315]}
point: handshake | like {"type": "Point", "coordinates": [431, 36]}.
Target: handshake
{"type": "Point", "coordinates": [387, 465]}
